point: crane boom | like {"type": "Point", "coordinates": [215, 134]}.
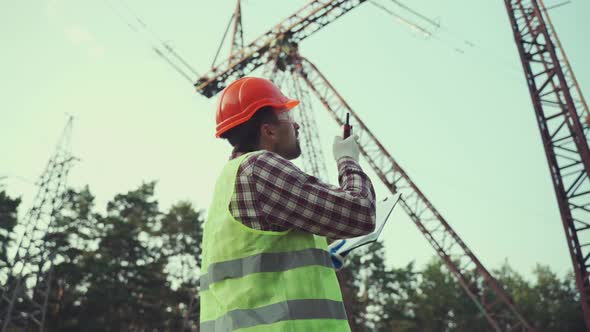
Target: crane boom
{"type": "Point", "coordinates": [303, 23]}
{"type": "Point", "coordinates": [494, 303]}
{"type": "Point", "coordinates": [559, 107]}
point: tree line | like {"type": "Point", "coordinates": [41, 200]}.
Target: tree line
{"type": "Point", "coordinates": [135, 267]}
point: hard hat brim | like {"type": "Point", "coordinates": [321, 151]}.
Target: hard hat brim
{"type": "Point", "coordinates": [227, 125]}
{"type": "Point", "coordinates": [291, 103]}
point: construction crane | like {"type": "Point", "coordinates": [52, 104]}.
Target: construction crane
{"type": "Point", "coordinates": [278, 50]}
{"type": "Point", "coordinates": [559, 109]}
{"type": "Point", "coordinates": [27, 292]}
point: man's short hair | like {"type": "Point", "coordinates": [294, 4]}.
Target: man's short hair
{"type": "Point", "coordinates": [246, 137]}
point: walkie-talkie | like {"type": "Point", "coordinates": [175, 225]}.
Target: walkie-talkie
{"type": "Point", "coordinates": [347, 127]}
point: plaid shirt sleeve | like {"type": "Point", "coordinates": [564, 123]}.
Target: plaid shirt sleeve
{"type": "Point", "coordinates": [284, 196]}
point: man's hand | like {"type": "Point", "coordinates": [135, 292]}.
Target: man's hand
{"type": "Point", "coordinates": [337, 259]}
{"type": "Point", "coordinates": [346, 148]}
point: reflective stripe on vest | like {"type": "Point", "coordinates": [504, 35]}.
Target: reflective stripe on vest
{"type": "Point", "coordinates": [264, 262]}
{"type": "Point", "coordinates": [262, 280]}
{"type": "Point", "coordinates": [287, 310]}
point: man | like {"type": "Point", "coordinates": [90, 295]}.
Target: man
{"type": "Point", "coordinates": [265, 261]}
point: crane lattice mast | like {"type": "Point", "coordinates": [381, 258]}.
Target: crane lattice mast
{"type": "Point", "coordinates": [27, 290]}
{"type": "Point", "coordinates": [559, 109]}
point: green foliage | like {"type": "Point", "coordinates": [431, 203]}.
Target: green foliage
{"type": "Point", "coordinates": [383, 295]}
{"type": "Point", "coordinates": [119, 270]}
{"type": "Point", "coordinates": [431, 300]}
{"type": "Point", "coordinates": [8, 220]}
{"type": "Point", "coordinates": [135, 268]}
{"type": "Point", "coordinates": [551, 304]}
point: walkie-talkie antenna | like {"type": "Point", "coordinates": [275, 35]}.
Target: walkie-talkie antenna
{"type": "Point", "coordinates": [347, 126]}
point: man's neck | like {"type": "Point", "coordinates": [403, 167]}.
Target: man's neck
{"type": "Point", "coordinates": [235, 153]}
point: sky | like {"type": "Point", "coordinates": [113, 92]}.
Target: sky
{"type": "Point", "coordinates": [453, 109]}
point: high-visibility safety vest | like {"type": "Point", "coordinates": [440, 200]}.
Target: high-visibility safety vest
{"type": "Point", "coordinates": [254, 280]}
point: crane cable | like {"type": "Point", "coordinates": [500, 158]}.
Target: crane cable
{"type": "Point", "coordinates": [158, 45]}
{"type": "Point", "coordinates": [223, 39]}
{"type": "Point", "coordinates": [402, 20]}
{"type": "Point", "coordinates": [452, 41]}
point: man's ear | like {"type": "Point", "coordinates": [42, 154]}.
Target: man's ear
{"type": "Point", "coordinates": [268, 130]}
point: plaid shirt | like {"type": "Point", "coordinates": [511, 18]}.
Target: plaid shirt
{"type": "Point", "coordinates": [272, 194]}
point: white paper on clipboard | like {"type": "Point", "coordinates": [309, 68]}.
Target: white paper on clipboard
{"type": "Point", "coordinates": [383, 211]}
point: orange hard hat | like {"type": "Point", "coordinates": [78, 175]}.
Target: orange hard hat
{"type": "Point", "coordinates": [242, 98]}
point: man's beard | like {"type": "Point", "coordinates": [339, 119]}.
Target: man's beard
{"type": "Point", "coordinates": [298, 148]}
{"type": "Point", "coordinates": [295, 152]}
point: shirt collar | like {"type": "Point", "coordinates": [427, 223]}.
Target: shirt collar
{"type": "Point", "coordinates": [235, 154]}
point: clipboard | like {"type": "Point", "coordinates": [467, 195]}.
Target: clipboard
{"type": "Point", "coordinates": [383, 210]}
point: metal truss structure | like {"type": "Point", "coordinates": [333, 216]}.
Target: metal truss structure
{"type": "Point", "coordinates": [559, 109]}
{"type": "Point", "coordinates": [27, 290]}
{"type": "Point", "coordinates": [278, 49]}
